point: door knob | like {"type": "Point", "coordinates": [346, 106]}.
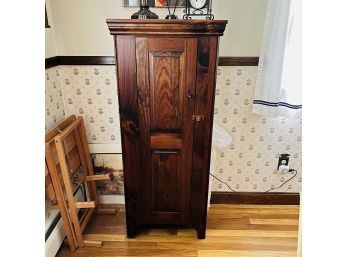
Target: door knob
{"type": "Point", "coordinates": [198, 118]}
{"type": "Point", "coordinates": [189, 95]}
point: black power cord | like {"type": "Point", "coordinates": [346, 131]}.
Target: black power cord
{"type": "Point", "coordinates": [223, 182]}
{"type": "Point", "coordinates": [291, 170]}
{"type": "Point", "coordinates": [284, 181]}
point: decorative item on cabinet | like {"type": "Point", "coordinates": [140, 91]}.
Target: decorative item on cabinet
{"type": "Point", "coordinates": [166, 71]}
{"type": "Point", "coordinates": [171, 16]}
{"type": "Point", "coordinates": [198, 8]}
{"type": "Point", "coordinates": [144, 12]}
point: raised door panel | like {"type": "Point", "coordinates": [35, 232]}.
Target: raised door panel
{"type": "Point", "coordinates": [166, 88]}
{"type": "Point", "coordinates": [166, 75]}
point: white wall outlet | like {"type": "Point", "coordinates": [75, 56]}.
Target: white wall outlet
{"type": "Point", "coordinates": [283, 160]}
{"type": "Point", "coordinates": [284, 168]}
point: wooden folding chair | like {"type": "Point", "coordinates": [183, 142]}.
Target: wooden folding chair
{"type": "Point", "coordinates": [70, 167]}
{"type": "Point", "coordinates": [54, 182]}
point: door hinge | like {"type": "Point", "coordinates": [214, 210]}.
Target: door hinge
{"type": "Point", "coordinates": [198, 118]}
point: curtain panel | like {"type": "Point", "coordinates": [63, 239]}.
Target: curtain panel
{"type": "Point", "coordinates": [278, 83]}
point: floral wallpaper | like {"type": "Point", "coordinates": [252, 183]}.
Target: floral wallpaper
{"type": "Point", "coordinates": [54, 103]}
{"type": "Point", "coordinates": [248, 164]}
{"type": "Point", "coordinates": [89, 91]}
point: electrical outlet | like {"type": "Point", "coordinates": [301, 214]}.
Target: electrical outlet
{"type": "Point", "coordinates": [283, 160]}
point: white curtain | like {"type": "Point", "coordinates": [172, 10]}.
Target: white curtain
{"type": "Point", "coordinates": [278, 84]}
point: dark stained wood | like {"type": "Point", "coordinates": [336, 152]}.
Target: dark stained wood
{"type": "Point", "coordinates": [163, 141]}
{"type": "Point", "coordinates": [79, 60]}
{"type": "Point", "coordinates": [110, 60]}
{"type": "Point", "coordinates": [188, 111]}
{"type": "Point", "coordinates": [163, 82]}
{"type": "Point", "coordinates": [144, 157]}
{"type": "Point", "coordinates": [162, 71]}
{"type": "Point", "coordinates": [238, 61]}
{"type": "Point", "coordinates": [129, 118]}
{"type": "Point", "coordinates": [255, 198]}
{"type": "Point", "coordinates": [160, 27]}
{"type": "Point", "coordinates": [166, 181]}
{"type": "Point", "coordinates": [52, 62]}
{"type": "Point", "coordinates": [86, 60]}
{"type": "Point", "coordinates": [166, 83]}
{"type": "Point", "coordinates": [204, 102]}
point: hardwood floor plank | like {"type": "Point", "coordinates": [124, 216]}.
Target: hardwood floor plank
{"type": "Point", "coordinates": [233, 230]}
{"type": "Point", "coordinates": [260, 215]}
{"type": "Point", "coordinates": [257, 233]}
{"type": "Point", "coordinates": [93, 251]}
{"type": "Point", "coordinates": [192, 238]}
{"type": "Point", "coordinates": [252, 206]}
{"type": "Point", "coordinates": [242, 253]}
{"type": "Point", "coordinates": [227, 246]}
{"type": "Point", "coordinates": [275, 221]}
{"type": "Point", "coordinates": [254, 211]}
{"type": "Point", "coordinates": [129, 245]}
{"type": "Point", "coordinates": [105, 237]}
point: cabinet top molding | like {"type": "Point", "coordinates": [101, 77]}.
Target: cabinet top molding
{"type": "Point", "coordinates": [166, 27]}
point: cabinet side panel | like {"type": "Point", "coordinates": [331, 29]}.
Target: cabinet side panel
{"type": "Point", "coordinates": [204, 105]}
{"type": "Point", "coordinates": [142, 62]}
{"type": "Point", "coordinates": [129, 118]}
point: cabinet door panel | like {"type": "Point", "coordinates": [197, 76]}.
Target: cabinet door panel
{"type": "Point", "coordinates": [166, 88]}
{"type": "Point", "coordinates": [166, 75]}
{"type": "Point", "coordinates": [165, 180]}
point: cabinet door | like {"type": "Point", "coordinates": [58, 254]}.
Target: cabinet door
{"type": "Point", "coordinates": [166, 76]}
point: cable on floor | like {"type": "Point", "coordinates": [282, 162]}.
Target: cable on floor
{"type": "Point", "coordinates": [271, 189]}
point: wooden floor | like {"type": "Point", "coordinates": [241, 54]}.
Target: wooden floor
{"type": "Point", "coordinates": [232, 230]}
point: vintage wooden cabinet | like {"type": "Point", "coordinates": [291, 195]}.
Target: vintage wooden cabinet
{"type": "Point", "coordinates": [166, 74]}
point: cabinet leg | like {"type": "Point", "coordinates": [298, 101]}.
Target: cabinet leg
{"type": "Point", "coordinates": [131, 231]}
{"type": "Point", "coordinates": [131, 234]}
{"type": "Point", "coordinates": [200, 231]}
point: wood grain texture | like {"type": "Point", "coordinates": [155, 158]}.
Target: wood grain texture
{"type": "Point", "coordinates": [167, 65]}
{"type": "Point", "coordinates": [255, 198]}
{"type": "Point", "coordinates": [202, 135]}
{"type": "Point", "coordinates": [248, 241]}
{"type": "Point", "coordinates": [142, 67]}
{"type": "Point", "coordinates": [166, 181]}
{"type": "Point", "coordinates": [129, 117]}
{"type": "Point", "coordinates": [163, 70]}
{"type": "Point", "coordinates": [166, 27]}
{"type": "Point", "coordinates": [166, 90]}
{"type": "Point", "coordinates": [165, 141]}
{"type": "Point", "coordinates": [163, 82]}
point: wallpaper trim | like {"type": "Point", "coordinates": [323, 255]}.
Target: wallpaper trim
{"type": "Point", "coordinates": [110, 60]}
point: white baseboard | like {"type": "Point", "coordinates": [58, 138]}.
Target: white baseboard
{"type": "Point", "coordinates": [105, 148]}
{"type": "Point", "coordinates": [55, 240]}
{"type": "Point", "coordinates": [111, 199]}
